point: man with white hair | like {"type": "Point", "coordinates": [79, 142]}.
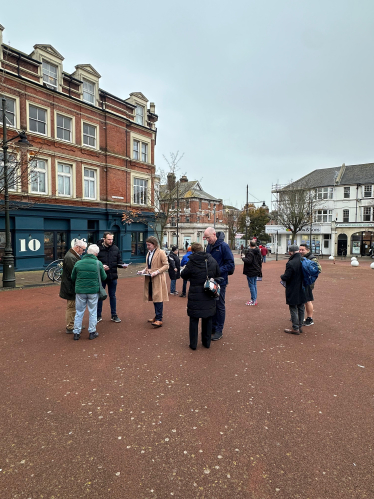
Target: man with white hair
{"type": "Point", "coordinates": [86, 274]}
{"type": "Point", "coordinates": [67, 289]}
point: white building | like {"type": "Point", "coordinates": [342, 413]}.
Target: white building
{"type": "Point", "coordinates": [343, 221]}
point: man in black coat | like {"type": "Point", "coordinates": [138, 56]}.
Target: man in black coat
{"type": "Point", "coordinates": [200, 304]}
{"type": "Point", "coordinates": [110, 257]}
{"type": "Point", "coordinates": [295, 293]}
{"type": "Point", "coordinates": [174, 269]}
{"type": "Point", "coordinates": [67, 288]}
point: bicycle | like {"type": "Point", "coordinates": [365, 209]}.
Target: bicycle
{"type": "Point", "coordinates": [54, 270]}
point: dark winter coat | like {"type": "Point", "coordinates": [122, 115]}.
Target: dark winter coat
{"type": "Point", "coordinates": [200, 303]}
{"type": "Point", "coordinates": [222, 254]}
{"type": "Point", "coordinates": [110, 256]}
{"type": "Point", "coordinates": [174, 263]}
{"type": "Point", "coordinates": [67, 289]}
{"type": "Point", "coordinates": [252, 263]}
{"type": "Point", "coordinates": [293, 277]}
{"type": "Point", "coordinates": [85, 275]}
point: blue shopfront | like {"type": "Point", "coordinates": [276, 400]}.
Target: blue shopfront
{"type": "Point", "coordinates": [43, 233]}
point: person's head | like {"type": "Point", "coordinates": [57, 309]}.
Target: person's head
{"type": "Point", "coordinates": [293, 249]}
{"type": "Point", "coordinates": [303, 249]}
{"type": "Point", "coordinates": [79, 246]}
{"type": "Point", "coordinates": [252, 244]}
{"type": "Point", "coordinates": [108, 238]}
{"type": "Point", "coordinates": [93, 249]}
{"type": "Point", "coordinates": [210, 235]}
{"type": "Point", "coordinates": [151, 243]}
{"type": "Point", "coordinates": [174, 249]}
{"type": "Point", "coordinates": [195, 247]}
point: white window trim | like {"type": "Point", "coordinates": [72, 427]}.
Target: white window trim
{"type": "Point", "coordinates": [363, 191]}
{"type": "Point", "coordinates": [72, 141]}
{"type": "Point", "coordinates": [18, 175]}
{"type": "Point", "coordinates": [17, 110]}
{"type": "Point", "coordinates": [144, 107]}
{"type": "Point", "coordinates": [90, 167]}
{"type": "Point", "coordinates": [51, 63]}
{"type": "Point", "coordinates": [73, 178]}
{"type": "Point", "coordinates": [142, 176]}
{"type": "Point", "coordinates": [145, 140]}
{"type": "Point", "coordinates": [49, 176]}
{"type": "Point", "coordinates": [94, 103]}
{"type": "Point", "coordinates": [97, 135]}
{"type": "Point", "coordinates": [35, 104]}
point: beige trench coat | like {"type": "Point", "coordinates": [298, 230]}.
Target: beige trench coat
{"type": "Point", "coordinates": [159, 286]}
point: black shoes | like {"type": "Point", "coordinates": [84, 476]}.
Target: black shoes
{"type": "Point", "coordinates": [182, 296]}
{"type": "Point", "coordinates": [308, 322]}
{"type": "Point", "coordinates": [293, 331]}
{"type": "Point", "coordinates": [115, 318]}
{"type": "Point", "coordinates": [92, 336]}
{"type": "Point", "coordinates": [217, 336]}
{"type": "Point", "coordinates": [76, 336]}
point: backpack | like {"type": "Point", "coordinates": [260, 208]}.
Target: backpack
{"type": "Point", "coordinates": [310, 271]}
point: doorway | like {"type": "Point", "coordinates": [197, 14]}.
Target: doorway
{"type": "Point", "coordinates": [342, 244]}
{"type": "Point", "coordinates": [55, 245]}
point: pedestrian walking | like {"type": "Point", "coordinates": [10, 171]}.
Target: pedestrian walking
{"type": "Point", "coordinates": [222, 253]}
{"type": "Point", "coordinates": [264, 252]}
{"type": "Point", "coordinates": [306, 253]}
{"type": "Point", "coordinates": [200, 305]}
{"type": "Point", "coordinates": [155, 288]}
{"type": "Point", "coordinates": [110, 257]}
{"type": "Point", "coordinates": [252, 269]}
{"type": "Point", "coordinates": [87, 285]}
{"type": "Point", "coordinates": [67, 288]}
{"type": "Point", "coordinates": [174, 269]}
{"type": "Point", "coordinates": [295, 294]}
{"type": "Point", "coordinates": [183, 263]}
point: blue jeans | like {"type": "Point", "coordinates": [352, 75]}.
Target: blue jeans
{"type": "Point", "coordinates": [82, 301]}
{"type": "Point", "coordinates": [173, 282]}
{"type": "Point", "coordinates": [252, 283]}
{"type": "Point", "coordinates": [264, 258]}
{"type": "Point", "coordinates": [219, 318]}
{"type": "Point", "coordinates": [112, 286]}
{"type": "Point", "coordinates": [159, 307]}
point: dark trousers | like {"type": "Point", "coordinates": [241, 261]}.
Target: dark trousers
{"type": "Point", "coordinates": [206, 331]}
{"type": "Point", "coordinates": [112, 286]}
{"type": "Point", "coordinates": [219, 318]}
{"type": "Point", "coordinates": [159, 308]}
{"type": "Point", "coordinates": [184, 289]}
{"type": "Point", "coordinates": [297, 315]}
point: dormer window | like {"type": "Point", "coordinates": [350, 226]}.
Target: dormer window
{"type": "Point", "coordinates": [88, 92]}
{"type": "Point", "coordinates": [139, 115]}
{"type": "Point", "coordinates": [49, 75]}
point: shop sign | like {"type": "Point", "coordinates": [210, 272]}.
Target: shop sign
{"type": "Point", "coordinates": [353, 225]}
{"type": "Point", "coordinates": [34, 244]}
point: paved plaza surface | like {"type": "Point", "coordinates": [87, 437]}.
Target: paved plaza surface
{"type": "Point", "coordinates": [136, 414]}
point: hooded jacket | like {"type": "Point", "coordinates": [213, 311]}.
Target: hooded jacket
{"type": "Point", "coordinates": [174, 263]}
{"type": "Point", "coordinates": [200, 303]}
{"type": "Point", "coordinates": [222, 254]}
{"type": "Point", "coordinates": [252, 263]}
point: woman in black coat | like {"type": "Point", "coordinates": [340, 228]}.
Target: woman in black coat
{"type": "Point", "coordinates": [200, 304]}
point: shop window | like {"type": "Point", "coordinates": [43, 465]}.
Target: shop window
{"type": "Point", "coordinates": [55, 245]}
{"type": "Point", "coordinates": [137, 244]}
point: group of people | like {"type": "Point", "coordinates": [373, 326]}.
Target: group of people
{"type": "Point", "coordinates": [299, 297]}
{"type": "Point", "coordinates": [82, 277]}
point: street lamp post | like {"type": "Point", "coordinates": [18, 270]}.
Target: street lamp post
{"type": "Point", "coordinates": [9, 279]}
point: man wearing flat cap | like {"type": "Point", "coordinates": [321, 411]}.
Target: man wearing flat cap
{"type": "Point", "coordinates": [295, 293]}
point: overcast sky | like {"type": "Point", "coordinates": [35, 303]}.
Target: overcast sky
{"type": "Point", "coordinates": [252, 92]}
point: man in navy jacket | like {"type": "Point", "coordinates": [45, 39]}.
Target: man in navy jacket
{"type": "Point", "coordinates": [222, 253]}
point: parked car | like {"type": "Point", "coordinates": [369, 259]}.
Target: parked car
{"type": "Point", "coordinates": [268, 247]}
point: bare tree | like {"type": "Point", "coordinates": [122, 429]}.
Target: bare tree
{"type": "Point", "coordinates": [295, 208]}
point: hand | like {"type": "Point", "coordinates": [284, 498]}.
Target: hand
{"type": "Point", "coordinates": [156, 272]}
{"type": "Point", "coordinates": [175, 270]}
{"type": "Point", "coordinates": [106, 267]}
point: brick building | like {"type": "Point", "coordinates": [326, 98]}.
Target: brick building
{"type": "Point", "coordinates": [194, 210]}
{"type": "Point", "coordinates": [94, 158]}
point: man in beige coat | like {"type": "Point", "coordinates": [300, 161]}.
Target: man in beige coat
{"type": "Point", "coordinates": [155, 288]}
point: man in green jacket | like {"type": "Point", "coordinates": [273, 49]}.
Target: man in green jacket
{"type": "Point", "coordinates": [67, 291]}
{"type": "Point", "coordinates": [87, 285]}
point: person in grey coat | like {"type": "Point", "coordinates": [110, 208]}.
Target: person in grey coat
{"type": "Point", "coordinates": [67, 289]}
{"type": "Point", "coordinates": [295, 293]}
